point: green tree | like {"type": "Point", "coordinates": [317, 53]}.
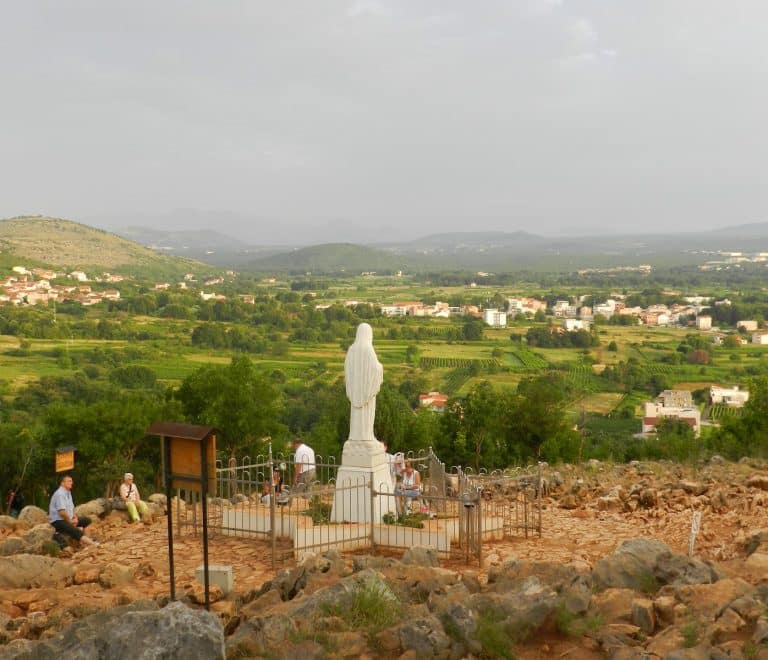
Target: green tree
{"type": "Point", "coordinates": [237, 399]}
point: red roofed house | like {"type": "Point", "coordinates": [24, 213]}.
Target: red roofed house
{"type": "Point", "coordinates": [434, 401]}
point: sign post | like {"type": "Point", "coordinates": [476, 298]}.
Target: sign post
{"type": "Point", "coordinates": [189, 461]}
{"type": "Point", "coordinates": [65, 458]}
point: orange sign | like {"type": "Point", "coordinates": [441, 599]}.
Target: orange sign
{"type": "Point", "coordinates": [65, 460]}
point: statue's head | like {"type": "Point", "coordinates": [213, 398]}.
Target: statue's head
{"type": "Point", "coordinates": [364, 333]}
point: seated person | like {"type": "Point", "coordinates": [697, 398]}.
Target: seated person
{"type": "Point", "coordinates": [61, 514]}
{"type": "Point", "coordinates": [266, 494]}
{"type": "Point", "coordinates": [129, 494]}
{"type": "Point", "coordinates": [277, 480]}
{"type": "Point", "coordinates": [410, 486]}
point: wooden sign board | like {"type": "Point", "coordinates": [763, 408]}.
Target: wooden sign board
{"type": "Point", "coordinates": [186, 460]}
{"type": "Point", "coordinates": [65, 460]}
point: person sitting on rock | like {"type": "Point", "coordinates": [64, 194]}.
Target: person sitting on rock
{"type": "Point", "coordinates": [61, 514]}
{"type": "Point", "coordinates": [129, 494]}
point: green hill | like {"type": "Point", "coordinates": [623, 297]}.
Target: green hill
{"type": "Point", "coordinates": [39, 240]}
{"type": "Point", "coordinates": [330, 258]}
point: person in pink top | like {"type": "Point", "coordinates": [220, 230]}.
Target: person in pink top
{"type": "Point", "coordinates": [129, 493]}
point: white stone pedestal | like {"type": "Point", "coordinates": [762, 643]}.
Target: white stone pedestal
{"type": "Point", "coordinates": [360, 461]}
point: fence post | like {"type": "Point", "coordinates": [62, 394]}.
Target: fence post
{"type": "Point", "coordinates": [541, 487]}
{"type": "Point", "coordinates": [479, 529]}
{"type": "Point", "coordinates": [373, 510]}
{"type": "Point", "coordinates": [272, 506]}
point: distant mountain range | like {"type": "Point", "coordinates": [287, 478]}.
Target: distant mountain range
{"type": "Point", "coordinates": [482, 251]}
{"type": "Point", "coordinates": [65, 243]}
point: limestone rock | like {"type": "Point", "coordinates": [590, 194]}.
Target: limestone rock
{"type": "Point", "coordinates": [425, 637]}
{"type": "Point", "coordinates": [664, 608]}
{"type": "Point", "coordinates": [9, 522]}
{"type": "Point", "coordinates": [420, 556]}
{"type": "Point", "coordinates": [25, 571]}
{"type": "Point", "coordinates": [758, 481]}
{"type": "Point", "coordinates": [728, 623]}
{"type": "Point", "coordinates": [134, 634]}
{"type": "Point", "coordinates": [115, 575]}
{"type": "Point", "coordinates": [668, 640]}
{"type": "Point", "coordinates": [569, 501]}
{"type": "Point", "coordinates": [257, 636]}
{"type": "Point", "coordinates": [644, 564]}
{"type": "Point", "coordinates": [12, 545]}
{"type": "Point", "coordinates": [196, 593]}
{"type": "Point", "coordinates": [755, 539]}
{"type": "Point", "coordinates": [38, 535]}
{"type": "Point", "coordinates": [527, 608]}
{"type": "Point", "coordinates": [614, 604]}
{"type": "Point", "coordinates": [348, 644]}
{"type": "Point", "coordinates": [87, 576]}
{"type": "Point", "coordinates": [708, 600]}
{"type": "Point", "coordinates": [93, 509]}
{"type": "Point", "coordinates": [749, 609]}
{"type": "Point", "coordinates": [33, 515]}
{"type": "Point", "coordinates": [693, 487]}
{"type": "Point", "coordinates": [159, 499]}
{"type": "Point", "coordinates": [643, 615]}
{"type": "Point", "coordinates": [760, 635]}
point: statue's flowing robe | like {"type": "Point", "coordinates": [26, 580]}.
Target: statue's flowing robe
{"type": "Point", "coordinates": [363, 374]}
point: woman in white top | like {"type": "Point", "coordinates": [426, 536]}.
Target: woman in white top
{"type": "Point", "coordinates": [410, 485]}
{"type": "Point", "coordinates": [129, 493]}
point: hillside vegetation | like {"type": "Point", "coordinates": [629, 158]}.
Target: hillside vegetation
{"type": "Point", "coordinates": [331, 258]}
{"type": "Point", "coordinates": [63, 243]}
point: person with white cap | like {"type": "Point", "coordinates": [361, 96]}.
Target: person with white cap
{"type": "Point", "coordinates": [129, 493]}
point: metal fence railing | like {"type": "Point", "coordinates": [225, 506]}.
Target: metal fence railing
{"type": "Point", "coordinates": [456, 511]}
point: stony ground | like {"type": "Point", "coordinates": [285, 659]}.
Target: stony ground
{"type": "Point", "coordinates": [587, 513]}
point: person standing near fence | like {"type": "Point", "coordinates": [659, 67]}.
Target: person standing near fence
{"type": "Point", "coordinates": [304, 459]}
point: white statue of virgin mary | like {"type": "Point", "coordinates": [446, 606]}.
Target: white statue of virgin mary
{"type": "Point", "coordinates": [363, 374]}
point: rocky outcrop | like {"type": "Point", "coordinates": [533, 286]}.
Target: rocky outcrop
{"type": "Point", "coordinates": [26, 571]}
{"type": "Point", "coordinates": [93, 509]}
{"type": "Point", "coordinates": [646, 564]}
{"type": "Point", "coordinates": [134, 633]}
{"type": "Point", "coordinates": [33, 515]}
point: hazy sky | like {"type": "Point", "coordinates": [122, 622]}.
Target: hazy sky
{"type": "Point", "coordinates": [316, 120]}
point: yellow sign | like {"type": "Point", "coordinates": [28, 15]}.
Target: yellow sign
{"type": "Point", "coordinates": [65, 460]}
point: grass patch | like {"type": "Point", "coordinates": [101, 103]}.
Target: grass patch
{"type": "Point", "coordinates": [493, 636]}
{"type": "Point", "coordinates": [574, 625]}
{"type": "Point", "coordinates": [690, 632]}
{"type": "Point", "coordinates": [648, 584]}
{"type": "Point", "coordinates": [51, 549]}
{"type": "Point", "coordinates": [370, 607]}
{"type": "Point", "coordinates": [405, 519]}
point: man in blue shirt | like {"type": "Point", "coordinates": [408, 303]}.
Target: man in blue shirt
{"type": "Point", "coordinates": [61, 514]}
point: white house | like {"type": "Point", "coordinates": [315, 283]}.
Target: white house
{"type": "Point", "coordinates": [655, 412]}
{"type": "Point", "coordinates": [495, 318]}
{"type": "Point", "coordinates": [731, 396]}
{"type": "Point", "coordinates": [704, 322]}
{"type": "Point", "coordinates": [79, 275]}
{"type": "Point", "coordinates": [571, 325]}
{"type": "Point", "coordinates": [749, 326]}
{"type": "Point", "coordinates": [760, 338]}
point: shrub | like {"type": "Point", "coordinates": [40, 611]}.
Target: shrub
{"type": "Point", "coordinates": [690, 633]}
{"type": "Point", "coordinates": [493, 636]}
